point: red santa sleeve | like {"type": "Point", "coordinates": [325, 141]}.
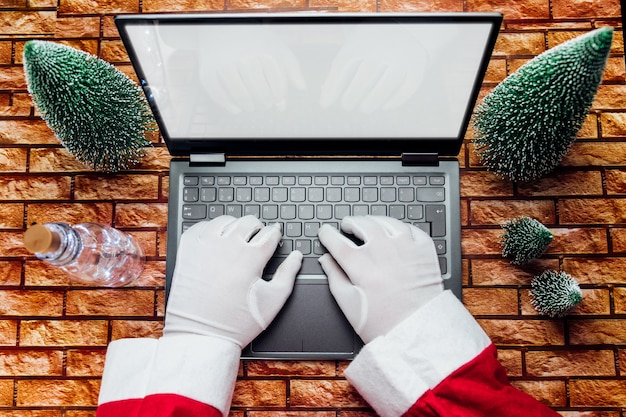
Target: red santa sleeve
{"type": "Point", "coordinates": [172, 376]}
{"type": "Point", "coordinates": [438, 362]}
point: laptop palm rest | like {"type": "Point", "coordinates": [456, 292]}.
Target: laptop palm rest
{"type": "Point", "coordinates": [310, 322]}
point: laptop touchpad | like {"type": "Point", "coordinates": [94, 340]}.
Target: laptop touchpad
{"type": "Point", "coordinates": [311, 321]}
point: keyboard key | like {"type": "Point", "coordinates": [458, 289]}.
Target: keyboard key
{"type": "Point", "coordinates": [234, 210]}
{"type": "Point", "coordinates": [386, 180]}
{"type": "Point", "coordinates": [290, 180]}
{"type": "Point", "coordinates": [304, 246]}
{"type": "Point", "coordinates": [207, 181]}
{"type": "Point", "coordinates": [279, 194]}
{"type": "Point", "coordinates": [187, 225]}
{"type": "Point", "coordinates": [324, 211]}
{"type": "Point", "coordinates": [387, 194]}
{"type": "Point", "coordinates": [288, 211]}
{"type": "Point", "coordinates": [379, 210]}
{"type": "Point", "coordinates": [240, 180]}
{"type": "Point", "coordinates": [252, 210]}
{"type": "Point", "coordinates": [443, 265]}
{"type": "Point", "coordinates": [270, 212]}
{"type": "Point", "coordinates": [306, 212]}
{"type": "Point", "coordinates": [440, 246]}
{"type": "Point", "coordinates": [190, 181]}
{"type": "Point", "coordinates": [271, 180]}
{"type": "Point", "coordinates": [424, 226]}
{"type": "Point", "coordinates": [310, 266]}
{"type": "Point", "coordinates": [341, 211]}
{"type": "Point", "coordinates": [320, 180]}
{"type": "Point", "coordinates": [262, 194]}
{"type": "Point", "coordinates": [190, 195]}
{"type": "Point", "coordinates": [360, 210]}
{"type": "Point", "coordinates": [316, 194]}
{"type": "Point", "coordinates": [194, 211]}
{"type": "Point", "coordinates": [333, 194]}
{"type": "Point", "coordinates": [351, 194]}
{"type": "Point", "coordinates": [215, 210]}
{"type": "Point", "coordinates": [352, 180]}
{"type": "Point", "coordinates": [368, 180]}
{"type": "Point", "coordinates": [293, 229]}
{"type": "Point", "coordinates": [403, 180]}
{"type": "Point", "coordinates": [298, 194]}
{"type": "Point", "coordinates": [415, 212]}
{"type": "Point", "coordinates": [370, 194]}
{"type": "Point", "coordinates": [285, 247]}
{"type": "Point", "coordinates": [318, 248]}
{"type": "Point", "coordinates": [223, 180]}
{"type": "Point", "coordinates": [208, 195]}
{"type": "Point", "coordinates": [396, 211]}
{"type": "Point", "coordinates": [311, 228]}
{"type": "Point", "coordinates": [255, 180]}
{"type": "Point", "coordinates": [337, 180]}
{"type": "Point", "coordinates": [243, 194]}
{"type": "Point", "coordinates": [431, 194]}
{"type": "Point", "coordinates": [305, 180]}
{"type": "Point", "coordinates": [419, 180]}
{"type": "Point", "coordinates": [226, 194]}
{"type": "Point", "coordinates": [436, 215]}
{"type": "Point", "coordinates": [406, 194]}
{"type": "Point", "coordinates": [437, 180]}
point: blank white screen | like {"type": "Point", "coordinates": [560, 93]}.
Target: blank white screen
{"type": "Point", "coordinates": [322, 80]}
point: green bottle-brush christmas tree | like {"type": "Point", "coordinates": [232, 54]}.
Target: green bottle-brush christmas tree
{"type": "Point", "coordinates": [97, 112]}
{"type": "Point", "coordinates": [555, 293]}
{"type": "Point", "coordinates": [524, 239]}
{"type": "Point", "coordinates": [526, 125]}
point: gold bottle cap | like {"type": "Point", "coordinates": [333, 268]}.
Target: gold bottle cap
{"type": "Point", "coordinates": [40, 239]}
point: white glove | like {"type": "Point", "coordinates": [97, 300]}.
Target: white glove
{"type": "Point", "coordinates": [380, 283]}
{"type": "Point", "coordinates": [217, 289]}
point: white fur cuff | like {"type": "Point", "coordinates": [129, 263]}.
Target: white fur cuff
{"type": "Point", "coordinates": [392, 372]}
{"type": "Point", "coordinates": [197, 367]}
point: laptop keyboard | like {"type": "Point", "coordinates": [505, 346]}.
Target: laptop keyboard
{"type": "Point", "coordinates": [302, 203]}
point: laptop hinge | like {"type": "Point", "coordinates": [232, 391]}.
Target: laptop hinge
{"type": "Point", "coordinates": [411, 159]}
{"type": "Point", "coordinates": [207, 159]}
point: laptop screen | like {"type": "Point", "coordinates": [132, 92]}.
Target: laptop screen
{"type": "Point", "coordinates": [312, 82]}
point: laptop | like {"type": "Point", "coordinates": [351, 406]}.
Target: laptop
{"type": "Point", "coordinates": [305, 118]}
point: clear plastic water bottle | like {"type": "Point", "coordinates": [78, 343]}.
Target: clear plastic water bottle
{"type": "Point", "coordinates": [91, 253]}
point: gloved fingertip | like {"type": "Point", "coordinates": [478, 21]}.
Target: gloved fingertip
{"type": "Point", "coordinates": [289, 267]}
{"type": "Point", "coordinates": [324, 229]}
{"type": "Point", "coordinates": [325, 259]}
{"type": "Point", "coordinates": [329, 265]}
{"type": "Point", "coordinates": [295, 257]}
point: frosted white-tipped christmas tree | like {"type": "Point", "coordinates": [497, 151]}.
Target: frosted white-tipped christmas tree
{"type": "Point", "coordinates": [526, 125]}
{"type": "Point", "coordinates": [97, 112]}
{"type": "Point", "coordinates": [524, 239]}
{"type": "Point", "coordinates": [555, 294]}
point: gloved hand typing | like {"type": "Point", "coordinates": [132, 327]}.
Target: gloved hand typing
{"type": "Point", "coordinates": [217, 289]}
{"type": "Point", "coordinates": [380, 283]}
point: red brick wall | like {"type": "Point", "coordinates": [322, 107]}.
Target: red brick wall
{"type": "Point", "coordinates": [53, 336]}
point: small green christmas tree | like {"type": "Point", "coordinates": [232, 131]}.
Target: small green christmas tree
{"type": "Point", "coordinates": [526, 125]}
{"type": "Point", "coordinates": [555, 293]}
{"type": "Point", "coordinates": [524, 239]}
{"type": "Point", "coordinates": [97, 112]}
